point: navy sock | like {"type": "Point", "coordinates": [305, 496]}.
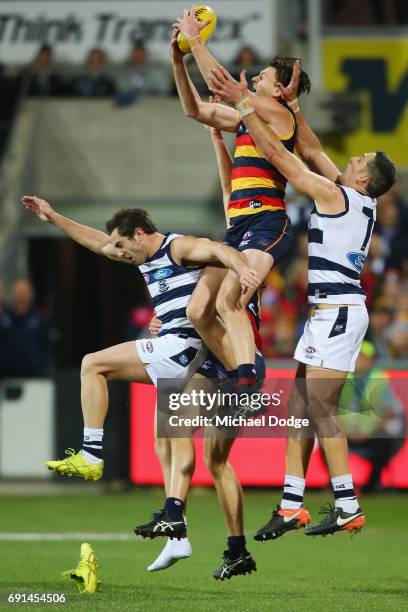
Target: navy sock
{"type": "Point", "coordinates": [175, 508]}
{"type": "Point", "coordinates": [246, 374]}
{"type": "Point", "coordinates": [236, 546]}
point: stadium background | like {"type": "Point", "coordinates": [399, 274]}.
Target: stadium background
{"type": "Point", "coordinates": [89, 120]}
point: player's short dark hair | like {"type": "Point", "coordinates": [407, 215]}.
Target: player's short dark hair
{"type": "Point", "coordinates": [127, 220]}
{"type": "Point", "coordinates": [382, 175]}
{"type": "Point", "coordinates": [284, 67]}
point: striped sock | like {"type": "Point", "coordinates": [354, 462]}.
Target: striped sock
{"type": "Point", "coordinates": [293, 492]}
{"type": "Point", "coordinates": [344, 495]}
{"type": "Point", "coordinates": [92, 444]}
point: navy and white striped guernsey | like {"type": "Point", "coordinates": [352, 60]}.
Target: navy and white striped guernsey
{"type": "Point", "coordinates": [338, 247]}
{"type": "Point", "coordinates": [170, 286]}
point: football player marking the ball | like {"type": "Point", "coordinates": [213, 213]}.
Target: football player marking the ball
{"type": "Point", "coordinates": [340, 231]}
{"type": "Point", "coordinates": [177, 455]}
{"type": "Point", "coordinates": [133, 239]}
{"type": "Point", "coordinates": [260, 227]}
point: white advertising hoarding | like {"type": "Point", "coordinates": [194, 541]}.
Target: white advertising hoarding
{"type": "Point", "coordinates": [74, 27]}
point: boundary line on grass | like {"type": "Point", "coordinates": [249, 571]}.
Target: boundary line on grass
{"type": "Point", "coordinates": [72, 535]}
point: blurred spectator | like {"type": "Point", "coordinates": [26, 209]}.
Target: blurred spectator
{"type": "Point", "coordinates": [392, 226]}
{"type": "Point", "coordinates": [370, 12]}
{"type": "Point", "coordinates": [138, 77]}
{"type": "Point", "coordinates": [95, 80]}
{"type": "Point", "coordinates": [246, 59]}
{"type": "Point", "coordinates": [371, 415]}
{"type": "Point", "coordinates": [380, 321]}
{"type": "Point", "coordinates": [44, 80]}
{"type": "Point", "coordinates": [298, 207]}
{"type": "Point", "coordinates": [138, 322]}
{"type": "Point", "coordinates": [26, 335]}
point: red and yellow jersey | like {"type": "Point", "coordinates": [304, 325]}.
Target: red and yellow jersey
{"type": "Point", "coordinates": [256, 185]}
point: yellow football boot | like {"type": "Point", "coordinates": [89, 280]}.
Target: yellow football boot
{"type": "Point", "coordinates": [85, 574]}
{"type": "Point", "coordinates": [76, 465]}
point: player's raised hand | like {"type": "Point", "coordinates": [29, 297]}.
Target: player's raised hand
{"type": "Point", "coordinates": [228, 88]}
{"type": "Point", "coordinates": [249, 279]}
{"type": "Point", "coordinates": [189, 26]}
{"type": "Point", "coordinates": [155, 326]}
{"type": "Point", "coordinates": [289, 93]}
{"type": "Point", "coordinates": [39, 207]}
{"type": "Point", "coordinates": [176, 53]}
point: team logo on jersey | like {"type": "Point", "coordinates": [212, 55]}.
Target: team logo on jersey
{"type": "Point", "coordinates": [149, 346]}
{"type": "Point", "coordinates": [163, 286]}
{"type": "Point", "coordinates": [357, 260]}
{"type": "Point", "coordinates": [255, 204]}
{"type": "Point", "coordinates": [164, 273]}
{"type": "Point", "coordinates": [146, 278]}
{"type": "Point", "coordinates": [310, 350]}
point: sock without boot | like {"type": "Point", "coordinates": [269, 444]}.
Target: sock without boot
{"type": "Point", "coordinates": [344, 494]}
{"type": "Point", "coordinates": [175, 508]}
{"type": "Point", "coordinates": [293, 491]}
{"type": "Point", "coordinates": [236, 546]}
{"type": "Point", "coordinates": [92, 444]}
{"type": "Point", "coordinates": [246, 374]}
{"type": "Point", "coordinates": [173, 551]}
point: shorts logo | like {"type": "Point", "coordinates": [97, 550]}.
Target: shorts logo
{"type": "Point", "coordinates": [206, 365]}
{"type": "Point", "coordinates": [164, 273]}
{"type": "Point", "coordinates": [310, 350]}
{"type": "Point", "coordinates": [146, 278]}
{"type": "Point", "coordinates": [357, 260]}
{"type": "Point", "coordinates": [243, 243]}
{"type": "Point", "coordinates": [339, 327]}
{"type": "Point", "coordinates": [163, 287]}
{"type": "Point", "coordinates": [183, 359]}
{"type": "Point", "coordinates": [149, 346]}
{"type": "Point", "coordinates": [255, 204]}
{"type": "Point", "coordinates": [247, 235]}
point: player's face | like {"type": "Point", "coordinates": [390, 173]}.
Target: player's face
{"type": "Point", "coordinates": [265, 83]}
{"type": "Point", "coordinates": [129, 249]}
{"type": "Point", "coordinates": [356, 170]}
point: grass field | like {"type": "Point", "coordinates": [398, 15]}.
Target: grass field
{"type": "Point", "coordinates": [366, 572]}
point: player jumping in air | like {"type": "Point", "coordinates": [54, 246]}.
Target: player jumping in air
{"type": "Point", "coordinates": [171, 265]}
{"type": "Point", "coordinates": [260, 227]}
{"type": "Point", "coordinates": [340, 229]}
{"type": "Point", "coordinates": [176, 455]}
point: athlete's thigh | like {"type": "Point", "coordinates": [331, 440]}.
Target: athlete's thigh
{"type": "Point", "coordinates": [259, 260]}
{"type": "Point", "coordinates": [324, 388]}
{"type": "Point", "coordinates": [207, 288]}
{"type": "Point", "coordinates": [122, 362]}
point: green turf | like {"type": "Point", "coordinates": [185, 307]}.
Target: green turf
{"type": "Point", "coordinates": [367, 572]}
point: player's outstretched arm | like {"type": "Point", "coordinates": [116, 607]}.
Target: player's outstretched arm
{"type": "Point", "coordinates": [224, 162]}
{"type": "Point", "coordinates": [88, 237]}
{"type": "Point", "coordinates": [324, 192]}
{"type": "Point", "coordinates": [213, 115]}
{"type": "Point", "coordinates": [307, 143]}
{"type": "Point", "coordinates": [190, 250]}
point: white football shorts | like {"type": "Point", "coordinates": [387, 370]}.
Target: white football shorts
{"type": "Point", "coordinates": [171, 357]}
{"type": "Point", "coordinates": [332, 338]}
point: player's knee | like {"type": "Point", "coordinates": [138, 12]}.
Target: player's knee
{"type": "Point", "coordinates": [200, 312]}
{"type": "Point", "coordinates": [215, 462]}
{"type": "Point", "coordinates": [89, 364]}
{"type": "Point", "coordinates": [162, 449]}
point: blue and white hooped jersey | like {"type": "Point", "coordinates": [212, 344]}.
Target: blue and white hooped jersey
{"type": "Point", "coordinates": [170, 286]}
{"type": "Point", "coordinates": [338, 247]}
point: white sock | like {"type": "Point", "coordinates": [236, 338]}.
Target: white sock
{"type": "Point", "coordinates": [92, 444]}
{"type": "Point", "coordinates": [173, 551]}
{"type": "Point", "coordinates": [293, 491]}
{"type": "Point", "coordinates": [344, 495]}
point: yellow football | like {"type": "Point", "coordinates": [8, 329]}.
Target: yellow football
{"type": "Point", "coordinates": [202, 13]}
